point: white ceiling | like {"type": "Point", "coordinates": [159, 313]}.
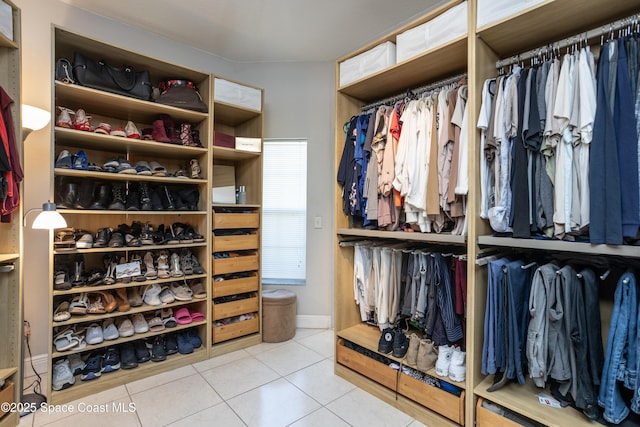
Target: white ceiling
{"type": "Point", "coordinates": [265, 30]}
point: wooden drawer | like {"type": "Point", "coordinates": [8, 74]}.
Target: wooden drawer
{"type": "Point", "coordinates": [366, 366]}
{"type": "Point", "coordinates": [6, 396]}
{"type": "Point", "coordinates": [237, 264]}
{"type": "Point", "coordinates": [487, 418]}
{"type": "Point", "coordinates": [235, 243]}
{"type": "Point", "coordinates": [236, 286]}
{"type": "Point", "coordinates": [236, 308]}
{"type": "Point", "coordinates": [235, 330]}
{"type": "Point", "coordinates": [236, 220]}
{"type": "Point", "coordinates": [440, 401]}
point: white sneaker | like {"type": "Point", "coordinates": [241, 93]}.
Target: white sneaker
{"type": "Point", "coordinates": [62, 375]}
{"type": "Point", "coordinates": [458, 367]}
{"type": "Point", "coordinates": [444, 360]}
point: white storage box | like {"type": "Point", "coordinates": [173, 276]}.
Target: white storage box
{"type": "Point", "coordinates": [441, 29]}
{"type": "Point", "coordinates": [249, 144]}
{"type": "Point", "coordinates": [6, 20]}
{"type": "Point", "coordinates": [494, 10]}
{"type": "Point", "coordinates": [224, 184]}
{"type": "Point", "coordinates": [366, 63]}
{"type": "Point", "coordinates": [237, 94]}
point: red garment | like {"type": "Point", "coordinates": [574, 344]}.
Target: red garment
{"type": "Point", "coordinates": [15, 176]}
{"type": "Point", "coordinates": [461, 286]}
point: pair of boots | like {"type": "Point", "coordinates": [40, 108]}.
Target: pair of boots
{"type": "Point", "coordinates": [184, 198]}
{"type": "Point", "coordinates": [165, 130]}
{"type": "Point", "coordinates": [83, 195]}
{"type": "Point", "coordinates": [422, 353]}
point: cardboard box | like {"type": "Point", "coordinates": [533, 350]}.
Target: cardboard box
{"type": "Point", "coordinates": [249, 144]}
{"type": "Point", "coordinates": [6, 20]}
{"type": "Point", "coordinates": [237, 94]}
{"type": "Point", "coordinates": [366, 63]}
{"type": "Point", "coordinates": [224, 140]}
{"type": "Point", "coordinates": [224, 184]}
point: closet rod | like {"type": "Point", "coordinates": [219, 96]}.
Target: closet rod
{"type": "Point", "coordinates": [591, 34]}
{"type": "Point", "coordinates": [414, 92]}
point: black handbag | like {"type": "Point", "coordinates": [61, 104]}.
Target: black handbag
{"type": "Point", "coordinates": [64, 71]}
{"type": "Point", "coordinates": [102, 76]}
{"type": "Point", "coordinates": [181, 94]}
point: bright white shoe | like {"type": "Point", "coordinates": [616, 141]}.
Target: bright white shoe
{"type": "Point", "coordinates": [62, 375]}
{"type": "Point", "coordinates": [458, 367]}
{"type": "Point", "coordinates": [444, 360]}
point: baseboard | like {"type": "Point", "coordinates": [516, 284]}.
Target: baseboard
{"type": "Point", "coordinates": [313, 322]}
{"type": "Point", "coordinates": [40, 363]}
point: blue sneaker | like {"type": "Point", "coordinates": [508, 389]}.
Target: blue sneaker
{"type": "Point", "coordinates": [92, 367]}
{"type": "Point", "coordinates": [111, 361]}
{"type": "Point", "coordinates": [81, 161]}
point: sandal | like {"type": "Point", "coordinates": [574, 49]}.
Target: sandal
{"type": "Point", "coordinates": [196, 316]}
{"type": "Point", "coordinates": [166, 314]}
{"type": "Point", "coordinates": [151, 273]}
{"type": "Point", "coordinates": [196, 172]}
{"type": "Point", "coordinates": [157, 169]}
{"type": "Point", "coordinates": [79, 305]}
{"type": "Point", "coordinates": [197, 289]}
{"type": "Point", "coordinates": [96, 306]}
{"type": "Point", "coordinates": [61, 312]}
{"type": "Point", "coordinates": [185, 262]}
{"type": "Point", "coordinates": [155, 324]}
{"type": "Point", "coordinates": [61, 281]}
{"type": "Point", "coordinates": [181, 292]}
{"type": "Point", "coordinates": [66, 340]}
{"type": "Point", "coordinates": [183, 317]}
{"type": "Point", "coordinates": [181, 173]}
{"type": "Point", "coordinates": [166, 296]}
{"type": "Point", "coordinates": [163, 265]}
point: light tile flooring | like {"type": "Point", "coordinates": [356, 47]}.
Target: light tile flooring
{"type": "Point", "coordinates": [281, 384]}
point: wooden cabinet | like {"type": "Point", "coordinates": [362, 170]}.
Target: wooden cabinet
{"type": "Point", "coordinates": [236, 247]}
{"type": "Point", "coordinates": [538, 24]}
{"type": "Point", "coordinates": [11, 293]}
{"type": "Point", "coordinates": [170, 234]}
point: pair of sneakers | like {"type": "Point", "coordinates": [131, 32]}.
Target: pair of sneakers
{"type": "Point", "coordinates": [393, 341]}
{"type": "Point", "coordinates": [451, 363]}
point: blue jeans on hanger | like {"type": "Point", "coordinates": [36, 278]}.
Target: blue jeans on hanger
{"type": "Point", "coordinates": [622, 336]}
{"type": "Point", "coordinates": [493, 347]}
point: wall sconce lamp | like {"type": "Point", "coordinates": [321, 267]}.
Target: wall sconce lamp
{"type": "Point", "coordinates": [47, 219]}
{"type": "Point", "coordinates": [33, 118]}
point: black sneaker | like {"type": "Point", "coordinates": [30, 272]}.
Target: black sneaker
{"type": "Point", "coordinates": [111, 360]}
{"type": "Point", "coordinates": [400, 344]}
{"type": "Point", "coordinates": [92, 367]}
{"type": "Point", "coordinates": [142, 353]}
{"type": "Point", "coordinates": [158, 354]}
{"type": "Point", "coordinates": [385, 345]}
{"type": "Point", "coordinates": [170, 344]}
{"type": "Point", "coordinates": [128, 359]}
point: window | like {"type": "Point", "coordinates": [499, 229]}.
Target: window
{"type": "Point", "coordinates": [284, 211]}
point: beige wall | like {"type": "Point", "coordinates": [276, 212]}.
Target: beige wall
{"type": "Point", "coordinates": [287, 88]}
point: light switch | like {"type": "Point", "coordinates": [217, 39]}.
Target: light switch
{"type": "Point", "coordinates": [318, 222]}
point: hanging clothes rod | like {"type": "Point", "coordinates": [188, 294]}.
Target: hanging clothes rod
{"type": "Point", "coordinates": [414, 92]}
{"type": "Point", "coordinates": [561, 44]}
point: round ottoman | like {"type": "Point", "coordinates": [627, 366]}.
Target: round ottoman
{"type": "Point", "coordinates": [278, 315]}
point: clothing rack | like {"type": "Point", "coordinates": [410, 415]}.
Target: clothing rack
{"type": "Point", "coordinates": [414, 92]}
{"type": "Point", "coordinates": [607, 29]}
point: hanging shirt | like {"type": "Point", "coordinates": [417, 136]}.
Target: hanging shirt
{"type": "Point", "coordinates": [485, 167]}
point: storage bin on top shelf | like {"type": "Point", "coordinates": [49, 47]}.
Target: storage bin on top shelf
{"type": "Point", "coordinates": [237, 94]}
{"type": "Point", "coordinates": [436, 32]}
{"type": "Point", "coordinates": [367, 63]}
{"type": "Point", "coordinates": [490, 11]}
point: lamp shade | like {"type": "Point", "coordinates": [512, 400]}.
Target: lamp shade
{"type": "Point", "coordinates": [34, 118]}
{"type": "Point", "coordinates": [49, 218]}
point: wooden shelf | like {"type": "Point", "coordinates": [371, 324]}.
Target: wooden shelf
{"type": "Point", "coordinates": [524, 400]}
{"type": "Point", "coordinates": [6, 258]}
{"type": "Point", "coordinates": [6, 42]}
{"type": "Point", "coordinates": [82, 389]}
{"type": "Point", "coordinates": [63, 211]}
{"type": "Point", "coordinates": [118, 106]}
{"type": "Point", "coordinates": [97, 141]}
{"type": "Point", "coordinates": [7, 372]}
{"type": "Point", "coordinates": [367, 336]}
{"type": "Point", "coordinates": [130, 249]}
{"type": "Point", "coordinates": [560, 246]}
{"type": "Point", "coordinates": [224, 153]}
{"type": "Point", "coordinates": [134, 337]}
{"type": "Point", "coordinates": [233, 115]}
{"type": "Point", "coordinates": [446, 60]}
{"type": "Point", "coordinates": [233, 205]}
{"type": "Point", "coordinates": [547, 22]}
{"type": "Point", "coordinates": [89, 289]}
{"type": "Point", "coordinates": [404, 236]}
{"type": "Point", "coordinates": [107, 176]}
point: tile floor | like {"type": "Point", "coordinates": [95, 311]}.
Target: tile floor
{"type": "Point", "coordinates": [282, 384]}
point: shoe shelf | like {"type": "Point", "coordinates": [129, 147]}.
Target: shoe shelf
{"type": "Point", "coordinates": [112, 105]}
{"type": "Point", "coordinates": [108, 176]}
{"type": "Point", "coordinates": [443, 238]}
{"type": "Point", "coordinates": [128, 213]}
{"type": "Point", "coordinates": [446, 400]}
{"type": "Point", "coordinates": [87, 289]}
{"type": "Point", "coordinates": [82, 389]}
{"type": "Point", "coordinates": [128, 249]}
{"type": "Point", "coordinates": [7, 258]}
{"type": "Point", "coordinates": [523, 399]}
{"type": "Point", "coordinates": [234, 115]}
{"type": "Point", "coordinates": [224, 153]}
{"type": "Point", "coordinates": [92, 140]}
{"type": "Point", "coordinates": [110, 343]}
{"type": "Point", "coordinates": [7, 372]}
{"type": "Point", "coordinates": [367, 336]}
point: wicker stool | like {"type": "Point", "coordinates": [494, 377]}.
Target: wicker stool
{"type": "Point", "coordinates": [278, 315]}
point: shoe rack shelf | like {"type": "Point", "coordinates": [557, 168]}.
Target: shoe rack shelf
{"type": "Point", "coordinates": [117, 110]}
{"type": "Point", "coordinates": [11, 240]}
